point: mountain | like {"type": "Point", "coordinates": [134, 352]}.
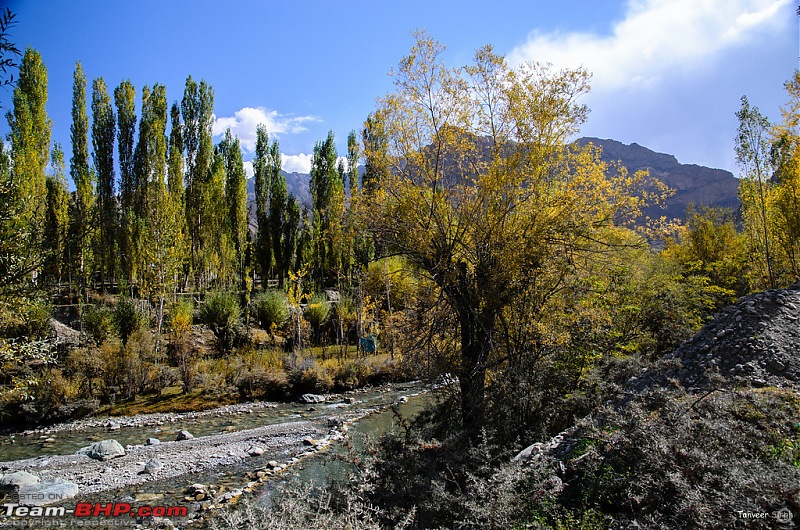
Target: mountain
{"type": "Point", "coordinates": [296, 183]}
{"type": "Point", "coordinates": [693, 184]}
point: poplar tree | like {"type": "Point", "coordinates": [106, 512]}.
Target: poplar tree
{"type": "Point", "coordinates": [124, 99]}
{"type": "Point", "coordinates": [83, 205]}
{"type": "Point", "coordinates": [236, 199]}
{"type": "Point", "coordinates": [103, 132]}
{"type": "Point", "coordinates": [376, 147]}
{"type": "Point", "coordinates": [197, 109]}
{"type": "Point", "coordinates": [30, 136]}
{"type": "Point", "coordinates": [262, 175]}
{"type": "Point", "coordinates": [327, 194]}
{"type": "Point", "coordinates": [22, 177]}
{"type": "Point", "coordinates": [56, 219]}
{"type": "Point", "coordinates": [163, 246]}
{"type": "Point", "coordinates": [277, 217]}
{"type": "Point", "coordinates": [175, 182]}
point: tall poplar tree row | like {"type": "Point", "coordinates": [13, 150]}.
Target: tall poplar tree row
{"type": "Point", "coordinates": [103, 135]}
{"type": "Point", "coordinates": [124, 99]}
{"type": "Point", "coordinates": [83, 205]}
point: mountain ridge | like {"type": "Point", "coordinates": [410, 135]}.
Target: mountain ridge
{"type": "Point", "coordinates": [692, 183]}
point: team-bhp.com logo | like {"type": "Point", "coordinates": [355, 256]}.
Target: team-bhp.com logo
{"type": "Point", "coordinates": [97, 509]}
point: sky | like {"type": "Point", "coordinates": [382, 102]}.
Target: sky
{"type": "Point", "coordinates": [666, 74]}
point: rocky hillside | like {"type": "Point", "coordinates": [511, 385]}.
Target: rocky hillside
{"type": "Point", "coordinates": [709, 437]}
{"type": "Point", "coordinates": [693, 184]}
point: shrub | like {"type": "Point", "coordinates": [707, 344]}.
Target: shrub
{"type": "Point", "coordinates": [271, 308]}
{"type": "Point", "coordinates": [182, 313]}
{"type": "Point", "coordinates": [221, 313]}
{"type": "Point", "coordinates": [308, 377]}
{"type": "Point", "coordinates": [99, 322]}
{"type": "Point", "coordinates": [181, 350]}
{"type": "Point", "coordinates": [262, 384]}
{"type": "Point", "coordinates": [317, 312]}
{"type": "Point", "coordinates": [128, 319]}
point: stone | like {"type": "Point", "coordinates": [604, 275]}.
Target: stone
{"type": "Point", "coordinates": [153, 466]}
{"type": "Point", "coordinates": [273, 464]}
{"type": "Point", "coordinates": [312, 398]}
{"type": "Point", "coordinates": [13, 481]}
{"type": "Point", "coordinates": [152, 441]}
{"type": "Point", "coordinates": [255, 451]}
{"type": "Point", "coordinates": [47, 492]}
{"type": "Point", "coordinates": [105, 450]}
{"type": "Point", "coordinates": [777, 364]}
{"type": "Point", "coordinates": [184, 435]}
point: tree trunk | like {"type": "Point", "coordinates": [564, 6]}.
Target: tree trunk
{"type": "Point", "coordinates": [475, 342]}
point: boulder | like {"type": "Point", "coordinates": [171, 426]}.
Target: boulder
{"type": "Point", "coordinates": [47, 492]}
{"type": "Point", "coordinates": [184, 435]}
{"type": "Point", "coordinates": [152, 441]}
{"type": "Point", "coordinates": [312, 398]}
{"type": "Point", "coordinates": [255, 451]}
{"type": "Point", "coordinates": [11, 483]}
{"type": "Point", "coordinates": [153, 466]}
{"type": "Point", "coordinates": [105, 450]}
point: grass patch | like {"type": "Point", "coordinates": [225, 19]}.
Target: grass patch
{"type": "Point", "coordinates": [171, 400]}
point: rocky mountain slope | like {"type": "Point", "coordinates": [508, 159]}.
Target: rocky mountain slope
{"type": "Point", "coordinates": [692, 184]}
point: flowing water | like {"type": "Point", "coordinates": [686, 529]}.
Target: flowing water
{"type": "Point", "coordinates": [372, 407]}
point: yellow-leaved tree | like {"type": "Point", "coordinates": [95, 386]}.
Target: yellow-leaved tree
{"type": "Point", "coordinates": [487, 199]}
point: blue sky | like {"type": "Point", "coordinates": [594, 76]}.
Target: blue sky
{"type": "Point", "coordinates": [667, 74]}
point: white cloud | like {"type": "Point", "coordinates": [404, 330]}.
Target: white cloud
{"type": "Point", "coordinates": [655, 39]}
{"type": "Point", "coordinates": [245, 121]}
{"type": "Point", "coordinates": [670, 73]}
{"type": "Point", "coordinates": [248, 169]}
{"type": "Point", "coordinates": [296, 163]}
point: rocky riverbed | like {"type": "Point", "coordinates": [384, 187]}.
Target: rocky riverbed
{"type": "Point", "coordinates": [168, 459]}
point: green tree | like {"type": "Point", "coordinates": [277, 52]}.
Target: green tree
{"type": "Point", "coordinates": [278, 214]}
{"type": "Point", "coordinates": [175, 183]}
{"type": "Point", "coordinates": [125, 101]}
{"type": "Point", "coordinates": [163, 247]}
{"type": "Point", "coordinates": [83, 205]}
{"type": "Point", "coordinates": [755, 189]}
{"type": "Point", "coordinates": [103, 136]}
{"type": "Point", "coordinates": [19, 244]}
{"type": "Point", "coordinates": [327, 195]}
{"type": "Point", "coordinates": [30, 152]}
{"type": "Point", "coordinates": [236, 200]}
{"type": "Point", "coordinates": [376, 148]}
{"type": "Point", "coordinates": [197, 109]}
{"type": "Point", "coordinates": [262, 175]}
{"type": "Point", "coordinates": [56, 226]}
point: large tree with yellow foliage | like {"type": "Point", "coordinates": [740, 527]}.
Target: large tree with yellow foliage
{"type": "Point", "coordinates": [487, 199]}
